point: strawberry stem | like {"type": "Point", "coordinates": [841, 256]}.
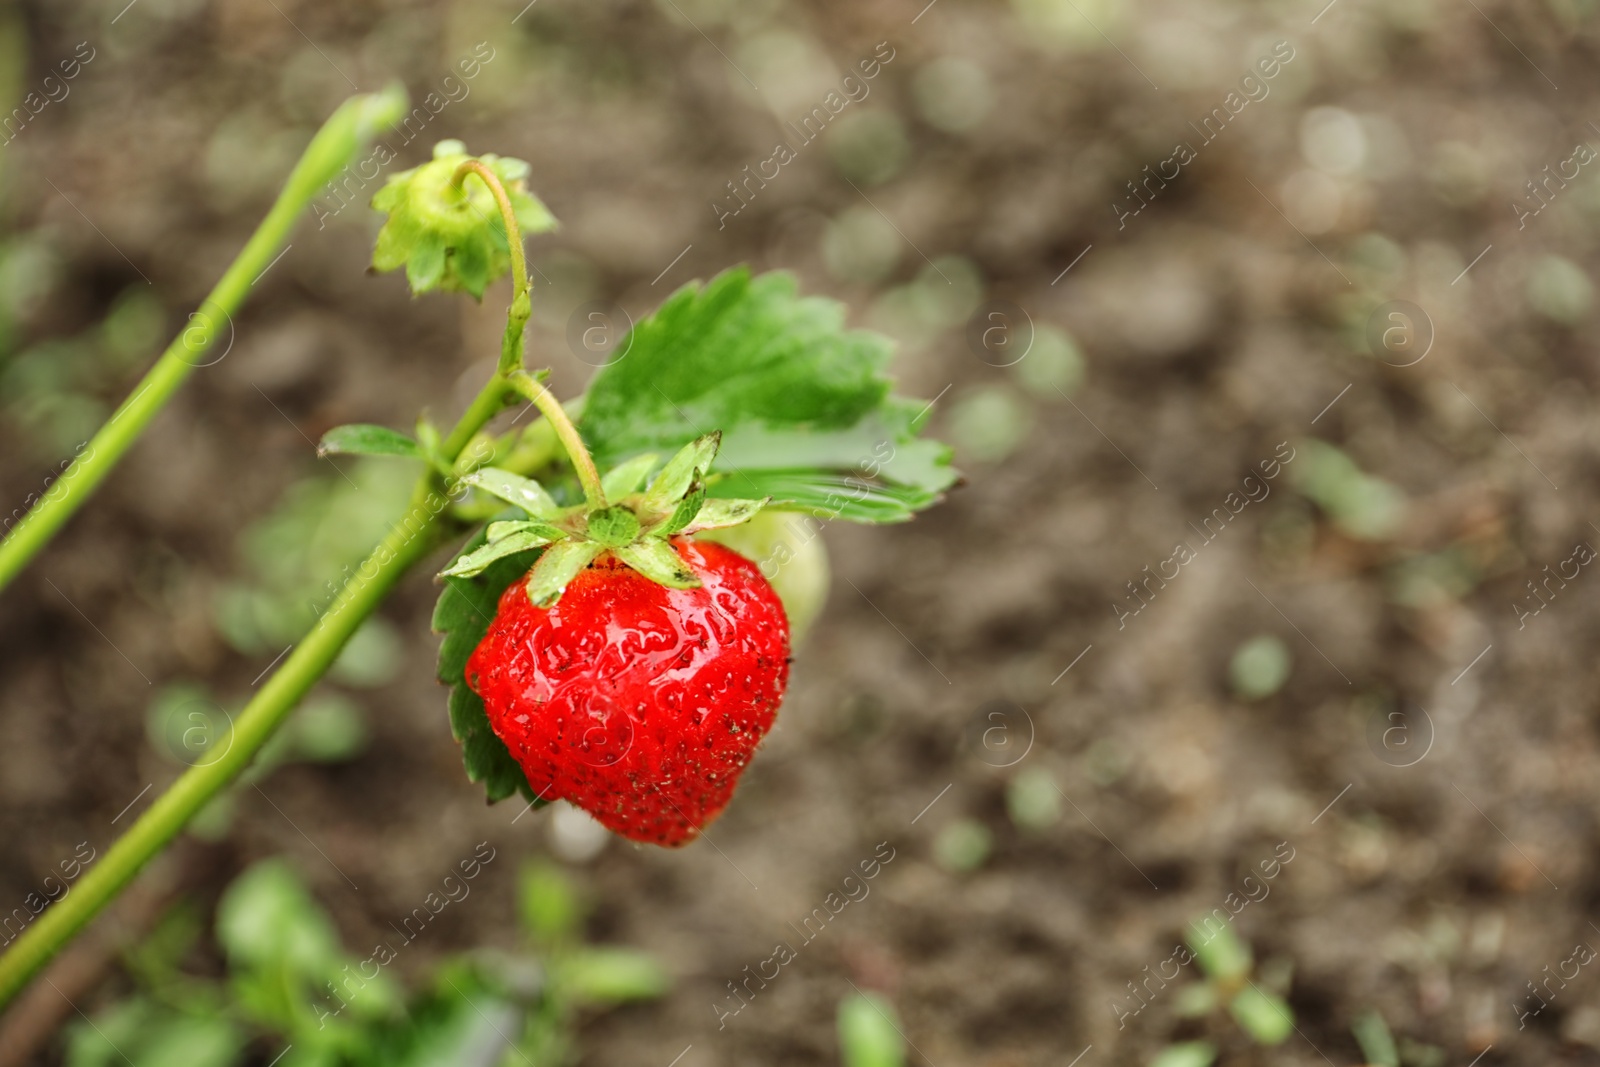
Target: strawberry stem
{"type": "Point", "coordinates": [531, 388]}
{"type": "Point", "coordinates": [425, 525]}
{"type": "Point", "coordinates": [333, 148]}
{"type": "Point", "coordinates": [517, 314]}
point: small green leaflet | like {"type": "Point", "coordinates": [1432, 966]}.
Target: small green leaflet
{"type": "Point", "coordinates": [525, 493]}
{"type": "Point", "coordinates": [462, 615]}
{"type": "Point", "coordinates": [365, 439]}
{"type": "Point", "coordinates": [791, 390]}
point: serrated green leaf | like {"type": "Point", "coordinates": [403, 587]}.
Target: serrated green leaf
{"type": "Point", "coordinates": [720, 514]}
{"type": "Point", "coordinates": [462, 615]}
{"type": "Point", "coordinates": [559, 564]}
{"type": "Point", "coordinates": [735, 350]}
{"type": "Point", "coordinates": [627, 477]}
{"type": "Point", "coordinates": [364, 439]}
{"type": "Point", "coordinates": [525, 493]}
{"type": "Point", "coordinates": [791, 390]}
{"type": "Point", "coordinates": [658, 561]}
{"type": "Point", "coordinates": [686, 467]}
{"type": "Point", "coordinates": [509, 545]}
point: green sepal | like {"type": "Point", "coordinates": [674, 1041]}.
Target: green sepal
{"type": "Point", "coordinates": [365, 439]}
{"type": "Point", "coordinates": [507, 527]}
{"type": "Point", "coordinates": [658, 561]}
{"type": "Point", "coordinates": [683, 514]}
{"type": "Point", "coordinates": [684, 469]}
{"type": "Point", "coordinates": [520, 541]}
{"type": "Point", "coordinates": [720, 514]}
{"type": "Point", "coordinates": [525, 493]}
{"type": "Point", "coordinates": [613, 526]}
{"type": "Point", "coordinates": [559, 564]}
{"type": "Point", "coordinates": [626, 478]}
{"type": "Point", "coordinates": [462, 615]}
{"type": "Point", "coordinates": [449, 235]}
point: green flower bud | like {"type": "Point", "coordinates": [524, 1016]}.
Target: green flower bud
{"type": "Point", "coordinates": [449, 234]}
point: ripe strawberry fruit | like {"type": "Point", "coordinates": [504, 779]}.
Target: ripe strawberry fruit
{"type": "Point", "coordinates": [640, 703]}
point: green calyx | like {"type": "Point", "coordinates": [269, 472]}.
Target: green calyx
{"type": "Point", "coordinates": [634, 521]}
{"type": "Point", "coordinates": [445, 226]}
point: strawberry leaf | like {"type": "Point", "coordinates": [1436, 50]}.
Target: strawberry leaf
{"type": "Point", "coordinates": [462, 614]}
{"type": "Point", "coordinates": [791, 390]}
{"type": "Point", "coordinates": [364, 439]}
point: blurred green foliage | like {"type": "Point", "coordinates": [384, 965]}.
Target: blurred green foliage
{"type": "Point", "coordinates": [55, 391]}
{"type": "Point", "coordinates": [1254, 999]}
{"type": "Point", "coordinates": [1361, 505]}
{"type": "Point", "coordinates": [989, 423]}
{"type": "Point", "coordinates": [1032, 799]}
{"type": "Point", "coordinates": [186, 725]}
{"type": "Point", "coordinates": [869, 1035]}
{"type": "Point", "coordinates": [1186, 1054]}
{"type": "Point", "coordinates": [1259, 667]}
{"type": "Point", "coordinates": [1560, 290]}
{"type": "Point", "coordinates": [1053, 367]}
{"type": "Point", "coordinates": [299, 556]}
{"type": "Point", "coordinates": [1377, 1044]}
{"type": "Point", "coordinates": [293, 995]}
{"type": "Point", "coordinates": [962, 845]}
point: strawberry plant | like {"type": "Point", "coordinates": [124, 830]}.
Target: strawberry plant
{"type": "Point", "coordinates": [633, 566]}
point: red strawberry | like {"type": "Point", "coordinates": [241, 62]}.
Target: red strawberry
{"type": "Point", "coordinates": [639, 703]}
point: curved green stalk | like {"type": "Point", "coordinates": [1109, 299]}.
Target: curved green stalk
{"type": "Point", "coordinates": [534, 390]}
{"type": "Point", "coordinates": [423, 528]}
{"type": "Point", "coordinates": [333, 148]}
{"type": "Point", "coordinates": [521, 301]}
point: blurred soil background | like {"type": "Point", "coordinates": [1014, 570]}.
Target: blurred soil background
{"type": "Point", "coordinates": [1394, 574]}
